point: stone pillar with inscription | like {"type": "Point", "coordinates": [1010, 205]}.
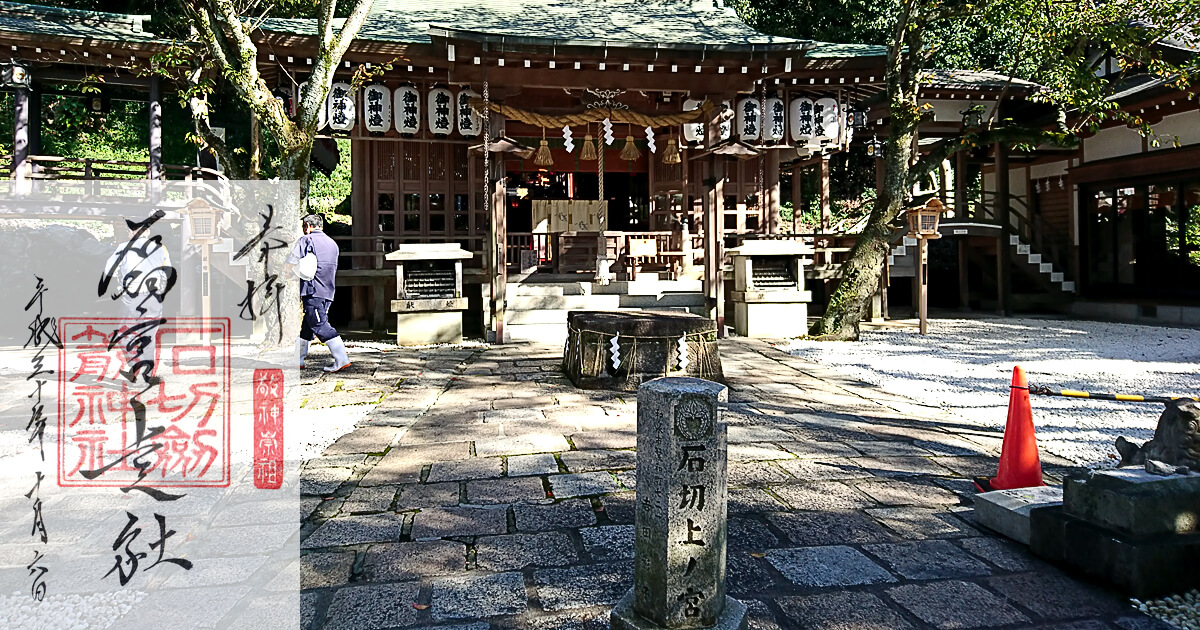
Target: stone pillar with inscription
{"type": "Point", "coordinates": [679, 575]}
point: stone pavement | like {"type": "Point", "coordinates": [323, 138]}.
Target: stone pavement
{"type": "Point", "coordinates": [485, 492]}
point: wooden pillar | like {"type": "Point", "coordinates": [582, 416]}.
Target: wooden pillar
{"type": "Point", "coordinates": [714, 213]}
{"type": "Point", "coordinates": [35, 120]}
{"type": "Point", "coordinates": [823, 169]}
{"type": "Point", "coordinates": [1003, 212]}
{"type": "Point", "coordinates": [964, 291]}
{"type": "Point", "coordinates": [21, 116]}
{"type": "Point", "coordinates": [771, 173]}
{"type": "Point", "coordinates": [497, 256]}
{"type": "Point", "coordinates": [156, 163]}
{"type": "Point", "coordinates": [961, 210]}
{"type": "Point", "coordinates": [797, 195]}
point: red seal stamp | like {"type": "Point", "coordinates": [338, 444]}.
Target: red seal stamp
{"type": "Point", "coordinates": [268, 429]}
{"type": "Point", "coordinates": [144, 402]}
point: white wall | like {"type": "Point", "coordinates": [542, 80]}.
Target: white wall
{"type": "Point", "coordinates": [1112, 142]}
{"type": "Point", "coordinates": [1053, 169]}
{"type": "Point", "coordinates": [1185, 125]}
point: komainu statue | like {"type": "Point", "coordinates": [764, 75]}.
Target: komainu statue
{"type": "Point", "coordinates": [1176, 443]}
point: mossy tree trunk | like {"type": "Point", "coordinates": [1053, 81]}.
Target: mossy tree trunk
{"type": "Point", "coordinates": [859, 276]}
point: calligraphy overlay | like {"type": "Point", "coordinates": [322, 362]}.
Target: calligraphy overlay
{"type": "Point", "coordinates": [146, 362]}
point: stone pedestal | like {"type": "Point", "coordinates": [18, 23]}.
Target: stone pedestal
{"type": "Point", "coordinates": [1126, 528]}
{"type": "Point", "coordinates": [679, 567]}
{"type": "Point", "coordinates": [769, 299]}
{"type": "Point", "coordinates": [1007, 512]}
{"type": "Point", "coordinates": [649, 345]}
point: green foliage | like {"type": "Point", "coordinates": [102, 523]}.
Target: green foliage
{"type": "Point", "coordinates": [331, 195]}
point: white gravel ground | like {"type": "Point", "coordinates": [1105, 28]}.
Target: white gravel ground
{"type": "Point", "coordinates": [965, 365]}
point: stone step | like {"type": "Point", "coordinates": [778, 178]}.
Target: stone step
{"type": "Point", "coordinates": [648, 287]}
{"type": "Point", "coordinates": [548, 333]}
{"type": "Point", "coordinates": [1046, 268]}
{"type": "Point", "coordinates": [1056, 277]}
{"type": "Point", "coordinates": [564, 302]}
{"type": "Point", "coordinates": [908, 240]}
{"type": "Point", "coordinates": [666, 300]}
{"type": "Point", "coordinates": [536, 316]}
{"type": "Point", "coordinates": [1035, 259]}
{"type": "Point", "coordinates": [1023, 249]}
{"type": "Point", "coordinates": [1068, 286]}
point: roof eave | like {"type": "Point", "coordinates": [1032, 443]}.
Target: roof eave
{"type": "Point", "coordinates": [490, 38]}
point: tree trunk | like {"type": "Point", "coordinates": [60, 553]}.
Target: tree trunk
{"type": "Point", "coordinates": [860, 275]}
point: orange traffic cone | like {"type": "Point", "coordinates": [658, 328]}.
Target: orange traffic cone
{"type": "Point", "coordinates": [1019, 463]}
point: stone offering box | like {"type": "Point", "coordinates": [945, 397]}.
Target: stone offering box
{"type": "Point", "coordinates": [1126, 528]}
{"type": "Point", "coordinates": [429, 300]}
{"type": "Point", "coordinates": [648, 345]}
{"type": "Point", "coordinates": [768, 295]}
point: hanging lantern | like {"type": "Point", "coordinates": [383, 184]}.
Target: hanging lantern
{"type": "Point", "coordinates": [377, 104]}
{"type": "Point", "coordinates": [286, 98]}
{"type": "Point", "coordinates": [441, 117]}
{"type": "Point", "coordinates": [776, 119]}
{"type": "Point", "coordinates": [693, 132]}
{"type": "Point", "coordinates": [340, 105]}
{"type": "Point", "coordinates": [468, 119]}
{"type": "Point", "coordinates": [801, 115]}
{"type": "Point", "coordinates": [727, 120]}
{"type": "Point", "coordinates": [671, 153]}
{"type": "Point", "coordinates": [407, 107]}
{"type": "Point", "coordinates": [826, 122]}
{"type": "Point", "coordinates": [588, 150]}
{"type": "Point", "coordinates": [749, 119]}
{"type": "Point", "coordinates": [875, 147]}
{"type": "Point", "coordinates": [857, 118]}
{"type": "Point", "coordinates": [972, 117]}
{"type": "Point", "coordinates": [630, 151]}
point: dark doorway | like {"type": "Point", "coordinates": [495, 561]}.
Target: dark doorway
{"type": "Point", "coordinates": [628, 196]}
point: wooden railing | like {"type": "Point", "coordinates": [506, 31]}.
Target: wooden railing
{"type": "Point", "coordinates": [56, 167]}
{"type": "Point", "coordinates": [568, 252]}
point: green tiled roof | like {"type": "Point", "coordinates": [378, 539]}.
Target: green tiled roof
{"type": "Point", "coordinates": [821, 50]}
{"type": "Point", "coordinates": [971, 80]}
{"type": "Point", "coordinates": [666, 22]}
{"type": "Point", "coordinates": [72, 23]}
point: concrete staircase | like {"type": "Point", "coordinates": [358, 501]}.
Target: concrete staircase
{"type": "Point", "coordinates": [1023, 254]}
{"type": "Point", "coordinates": [537, 307]}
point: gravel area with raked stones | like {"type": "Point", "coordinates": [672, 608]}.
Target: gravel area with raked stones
{"type": "Point", "coordinates": [965, 366]}
{"type": "Point", "coordinates": [1180, 610]}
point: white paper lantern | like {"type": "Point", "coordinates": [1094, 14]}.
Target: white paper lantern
{"type": "Point", "coordinates": [775, 124]}
{"type": "Point", "coordinates": [727, 126]}
{"type": "Point", "coordinates": [340, 107]}
{"type": "Point", "coordinates": [693, 132]}
{"type": "Point", "coordinates": [441, 111]}
{"type": "Point", "coordinates": [800, 115]}
{"type": "Point", "coordinates": [407, 109]}
{"type": "Point", "coordinates": [377, 108]}
{"type": "Point", "coordinates": [468, 119]}
{"type": "Point", "coordinates": [826, 123]}
{"type": "Point", "coordinates": [749, 119]}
